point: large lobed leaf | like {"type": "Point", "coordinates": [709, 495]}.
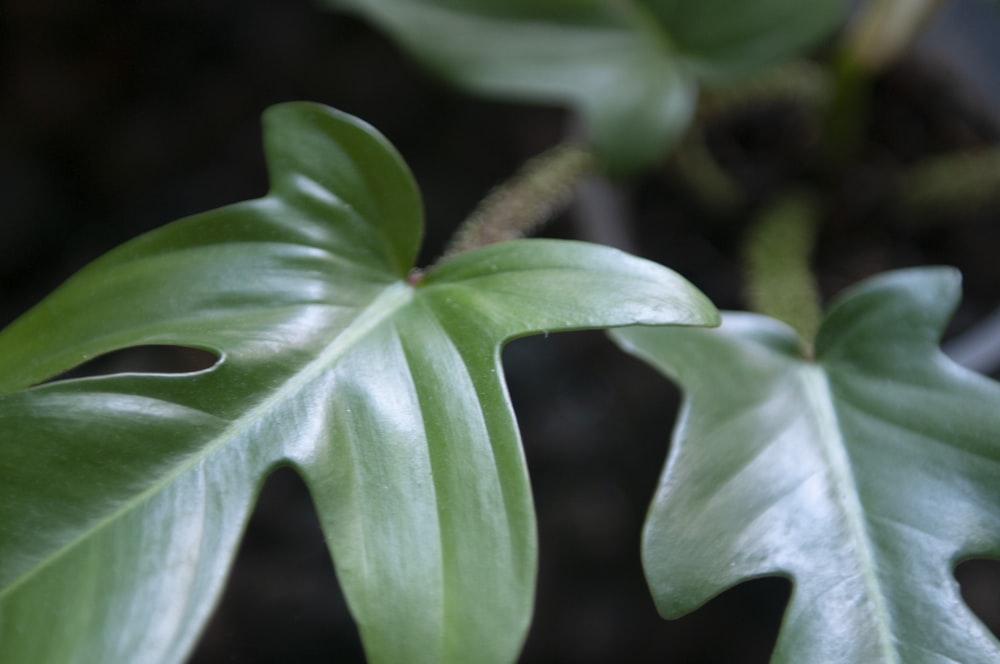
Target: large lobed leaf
{"type": "Point", "coordinates": [864, 475]}
{"type": "Point", "coordinates": [631, 68]}
{"type": "Point", "coordinates": [123, 498]}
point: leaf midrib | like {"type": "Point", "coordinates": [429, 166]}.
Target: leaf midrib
{"type": "Point", "coordinates": [819, 397]}
{"type": "Point", "coordinates": [395, 296]}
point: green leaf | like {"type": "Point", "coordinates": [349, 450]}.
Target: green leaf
{"type": "Point", "coordinates": [123, 498]}
{"type": "Point", "coordinates": [724, 40]}
{"type": "Point", "coordinates": [630, 68]}
{"type": "Point", "coordinates": [864, 476]}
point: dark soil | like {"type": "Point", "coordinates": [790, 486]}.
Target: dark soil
{"type": "Point", "coordinates": [115, 120]}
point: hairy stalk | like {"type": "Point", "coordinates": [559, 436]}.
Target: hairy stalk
{"type": "Point", "coordinates": [520, 206]}
{"type": "Point", "coordinates": [802, 83]}
{"type": "Point", "coordinates": [964, 181]}
{"type": "Point", "coordinates": [779, 280]}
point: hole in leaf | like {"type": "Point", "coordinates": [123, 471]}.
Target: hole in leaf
{"type": "Point", "coordinates": [282, 602]}
{"type": "Point", "coordinates": [749, 614]}
{"type": "Point", "coordinates": [152, 358]}
{"type": "Point", "coordinates": [979, 579]}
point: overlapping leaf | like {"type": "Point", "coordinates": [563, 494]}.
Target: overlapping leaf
{"type": "Point", "coordinates": [122, 498]}
{"type": "Point", "coordinates": [864, 475]}
{"type": "Point", "coordinates": [631, 68]}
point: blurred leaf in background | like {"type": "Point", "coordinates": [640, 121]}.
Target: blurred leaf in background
{"type": "Point", "coordinates": [632, 69]}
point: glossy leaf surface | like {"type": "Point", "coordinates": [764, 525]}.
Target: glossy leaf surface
{"type": "Point", "coordinates": [630, 68]}
{"type": "Point", "coordinates": [123, 498]}
{"type": "Point", "coordinates": [864, 476]}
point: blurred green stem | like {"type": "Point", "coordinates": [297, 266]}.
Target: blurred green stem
{"type": "Point", "coordinates": [875, 39]}
{"type": "Point", "coordinates": [967, 182]}
{"type": "Point", "coordinates": [883, 30]}
{"type": "Point", "coordinates": [695, 164]}
{"type": "Point", "coordinates": [846, 116]}
{"type": "Point", "coordinates": [801, 83]}
{"type": "Point", "coordinates": [779, 281]}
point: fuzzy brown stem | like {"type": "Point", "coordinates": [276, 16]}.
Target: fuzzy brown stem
{"type": "Point", "coordinates": [518, 207]}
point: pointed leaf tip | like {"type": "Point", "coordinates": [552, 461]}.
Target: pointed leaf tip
{"type": "Point", "coordinates": [318, 154]}
{"type": "Point", "coordinates": [915, 304]}
{"type": "Point", "coordinates": [564, 285]}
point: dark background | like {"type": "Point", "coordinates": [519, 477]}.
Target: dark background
{"type": "Point", "coordinates": [118, 117]}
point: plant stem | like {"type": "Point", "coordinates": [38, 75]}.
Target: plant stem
{"type": "Point", "coordinates": [801, 83]}
{"type": "Point", "coordinates": [779, 280]}
{"type": "Point", "coordinates": [884, 29]}
{"type": "Point", "coordinates": [967, 181]}
{"type": "Point", "coordinates": [520, 206]}
{"type": "Point", "coordinates": [695, 164]}
{"type": "Point", "coordinates": [880, 33]}
{"type": "Point", "coordinates": [846, 116]}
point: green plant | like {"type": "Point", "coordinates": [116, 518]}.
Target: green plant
{"type": "Point", "coordinates": [865, 475]}
{"type": "Point", "coordinates": [124, 496]}
{"type": "Point", "coordinates": [633, 69]}
{"type": "Point", "coordinates": [848, 455]}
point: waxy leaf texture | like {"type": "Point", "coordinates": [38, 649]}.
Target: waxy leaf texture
{"type": "Point", "coordinates": [123, 498]}
{"type": "Point", "coordinates": [864, 476]}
